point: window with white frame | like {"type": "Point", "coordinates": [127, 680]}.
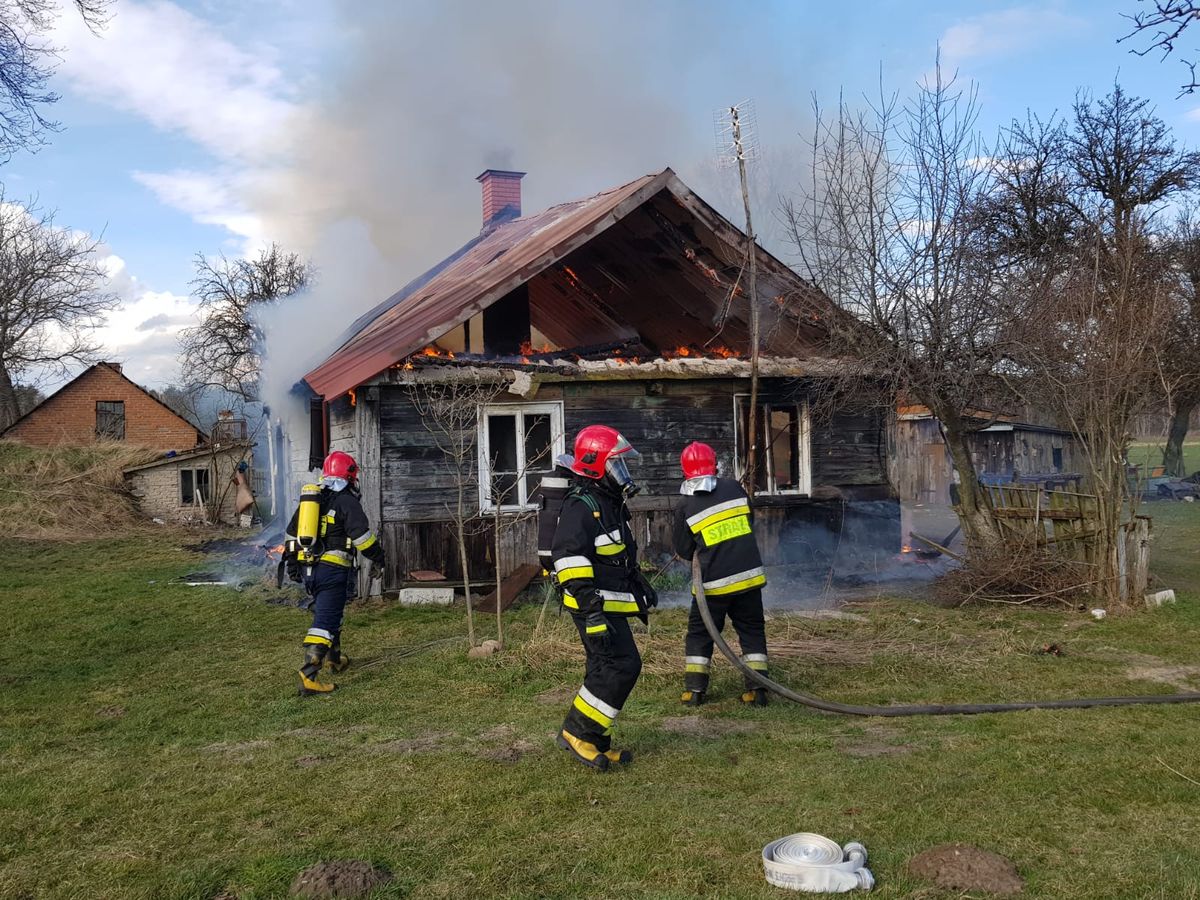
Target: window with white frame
{"type": "Point", "coordinates": [517, 446]}
{"type": "Point", "coordinates": [782, 452]}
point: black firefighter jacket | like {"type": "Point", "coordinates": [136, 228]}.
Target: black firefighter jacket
{"type": "Point", "coordinates": [344, 530]}
{"type": "Point", "coordinates": [595, 555]}
{"type": "Point", "coordinates": [717, 523]}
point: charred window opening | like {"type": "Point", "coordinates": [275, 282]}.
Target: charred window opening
{"type": "Point", "coordinates": [110, 419]}
{"type": "Point", "coordinates": [782, 446]}
{"type": "Point", "coordinates": [193, 487]}
{"type": "Point", "coordinates": [517, 447]}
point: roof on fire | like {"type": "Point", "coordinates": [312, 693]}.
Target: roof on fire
{"type": "Point", "coordinates": [593, 281]}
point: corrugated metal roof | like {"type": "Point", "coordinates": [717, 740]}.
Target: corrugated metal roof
{"type": "Point", "coordinates": [484, 270]}
{"type": "Point", "coordinates": [493, 264]}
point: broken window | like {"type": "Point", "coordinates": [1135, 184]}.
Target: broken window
{"type": "Point", "coordinates": [110, 419]}
{"type": "Point", "coordinates": [193, 487]}
{"type": "Point", "coordinates": [781, 451]}
{"type": "Point", "coordinates": [517, 446]}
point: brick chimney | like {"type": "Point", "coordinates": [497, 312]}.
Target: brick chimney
{"type": "Point", "coordinates": [501, 196]}
{"type": "Point", "coordinates": [114, 365]}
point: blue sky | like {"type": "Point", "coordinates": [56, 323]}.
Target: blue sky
{"type": "Point", "coordinates": [352, 130]}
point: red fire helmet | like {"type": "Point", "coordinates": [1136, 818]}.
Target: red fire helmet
{"type": "Point", "coordinates": [697, 460]}
{"type": "Point", "coordinates": [595, 446]}
{"type": "Point", "coordinates": [340, 465]}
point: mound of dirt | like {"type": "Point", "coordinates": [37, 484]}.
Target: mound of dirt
{"type": "Point", "coordinates": [69, 493]}
{"type": "Point", "coordinates": [873, 740]}
{"type": "Point", "coordinates": [961, 867]}
{"type": "Point", "coordinates": [556, 696]}
{"type": "Point", "coordinates": [507, 746]}
{"type": "Point", "coordinates": [339, 878]}
{"type": "Point", "coordinates": [697, 726]}
{"type": "Point", "coordinates": [430, 742]}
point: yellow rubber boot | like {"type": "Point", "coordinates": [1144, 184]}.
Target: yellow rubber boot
{"type": "Point", "coordinates": [618, 757]}
{"type": "Point", "coordinates": [583, 751]}
{"type": "Point", "coordinates": [336, 661]}
{"type": "Point", "coordinates": [314, 658]}
{"type": "Point", "coordinates": [755, 697]}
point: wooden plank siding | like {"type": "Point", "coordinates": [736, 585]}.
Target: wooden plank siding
{"type": "Point", "coordinates": [920, 467]}
{"type": "Point", "coordinates": [848, 452]}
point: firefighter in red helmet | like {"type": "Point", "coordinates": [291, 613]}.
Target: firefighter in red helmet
{"type": "Point", "coordinates": [323, 540]}
{"type": "Point", "coordinates": [595, 565]}
{"type": "Point", "coordinates": [714, 520]}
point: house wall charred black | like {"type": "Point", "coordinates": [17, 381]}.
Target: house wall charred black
{"type": "Point", "coordinates": [659, 417]}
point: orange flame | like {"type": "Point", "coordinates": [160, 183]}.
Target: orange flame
{"type": "Point", "coordinates": [353, 397]}
{"type": "Point", "coordinates": [275, 552]}
{"type": "Point", "coordinates": [527, 349]}
{"type": "Point", "coordinates": [571, 276]}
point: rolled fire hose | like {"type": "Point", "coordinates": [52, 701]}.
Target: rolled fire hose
{"type": "Point", "coordinates": [953, 709]}
{"type": "Point", "coordinates": [810, 862]}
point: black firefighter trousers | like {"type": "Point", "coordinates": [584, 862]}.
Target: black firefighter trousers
{"type": "Point", "coordinates": [746, 612]}
{"type": "Point", "coordinates": [610, 676]}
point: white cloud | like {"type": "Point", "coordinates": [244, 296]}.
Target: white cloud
{"type": "Point", "coordinates": [210, 198]}
{"type": "Point", "coordinates": [178, 72]}
{"type": "Point", "coordinates": [143, 332]}
{"type": "Point", "coordinates": [1002, 33]}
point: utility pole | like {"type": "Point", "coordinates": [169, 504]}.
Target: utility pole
{"type": "Point", "coordinates": [736, 121]}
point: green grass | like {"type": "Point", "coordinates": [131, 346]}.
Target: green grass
{"type": "Point", "coordinates": [1150, 453]}
{"type": "Point", "coordinates": [151, 746]}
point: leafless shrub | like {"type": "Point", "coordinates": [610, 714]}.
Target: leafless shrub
{"type": "Point", "coordinates": [53, 294]}
{"type": "Point", "coordinates": [1018, 575]}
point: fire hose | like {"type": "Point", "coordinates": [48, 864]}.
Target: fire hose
{"type": "Point", "coordinates": [951, 709]}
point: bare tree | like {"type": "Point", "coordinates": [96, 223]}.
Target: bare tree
{"type": "Point", "coordinates": [53, 294]}
{"type": "Point", "coordinates": [449, 408]}
{"type": "Point", "coordinates": [225, 349]}
{"type": "Point", "coordinates": [1181, 338]}
{"type": "Point", "coordinates": [28, 396]}
{"type": "Point", "coordinates": [889, 229]}
{"type": "Point", "coordinates": [27, 60]}
{"type": "Point", "coordinates": [1164, 22]}
{"type": "Point", "coordinates": [1090, 345]}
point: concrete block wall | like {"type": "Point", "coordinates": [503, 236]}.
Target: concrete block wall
{"type": "Point", "coordinates": [159, 494]}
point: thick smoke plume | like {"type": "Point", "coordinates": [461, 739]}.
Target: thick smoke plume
{"type": "Point", "coordinates": [428, 93]}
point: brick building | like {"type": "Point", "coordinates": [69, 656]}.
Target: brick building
{"type": "Point", "coordinates": [102, 403]}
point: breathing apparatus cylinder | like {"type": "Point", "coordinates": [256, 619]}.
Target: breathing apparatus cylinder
{"type": "Point", "coordinates": [308, 524]}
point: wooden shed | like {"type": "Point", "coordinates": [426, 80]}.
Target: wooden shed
{"type": "Point", "coordinates": [1002, 448]}
{"type": "Point", "coordinates": [626, 309]}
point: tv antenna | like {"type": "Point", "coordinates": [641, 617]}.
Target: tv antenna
{"type": "Point", "coordinates": [736, 130]}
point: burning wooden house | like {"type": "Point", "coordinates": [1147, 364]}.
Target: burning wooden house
{"type": "Point", "coordinates": [627, 308]}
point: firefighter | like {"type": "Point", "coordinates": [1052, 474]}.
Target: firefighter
{"type": "Point", "coordinates": [323, 540]}
{"type": "Point", "coordinates": [714, 519]}
{"type": "Point", "coordinates": [595, 565]}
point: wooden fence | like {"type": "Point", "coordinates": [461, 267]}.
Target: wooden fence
{"type": "Point", "coordinates": [1068, 522]}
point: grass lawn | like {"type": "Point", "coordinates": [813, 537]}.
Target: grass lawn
{"type": "Point", "coordinates": [151, 746]}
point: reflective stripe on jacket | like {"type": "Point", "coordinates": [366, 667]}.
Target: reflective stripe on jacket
{"type": "Point", "coordinates": [345, 530]}
{"type": "Point", "coordinates": [594, 555]}
{"type": "Point", "coordinates": [718, 524]}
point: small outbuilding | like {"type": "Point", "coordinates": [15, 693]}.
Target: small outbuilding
{"type": "Point", "coordinates": [198, 487]}
{"type": "Point", "coordinates": [101, 403]}
{"type": "Point", "coordinates": [1004, 450]}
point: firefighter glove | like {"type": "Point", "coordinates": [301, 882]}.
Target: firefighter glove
{"type": "Point", "coordinates": [595, 626]}
{"type": "Point", "coordinates": [376, 570]}
{"type": "Point", "coordinates": [648, 590]}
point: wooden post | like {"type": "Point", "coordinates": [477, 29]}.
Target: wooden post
{"type": "Point", "coordinates": [370, 474]}
{"type": "Point", "coordinates": [1137, 558]}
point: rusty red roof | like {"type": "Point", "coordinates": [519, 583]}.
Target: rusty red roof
{"type": "Point", "coordinates": [496, 262]}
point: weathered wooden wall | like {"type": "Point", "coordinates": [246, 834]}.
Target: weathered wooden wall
{"type": "Point", "coordinates": [921, 470]}
{"type": "Point", "coordinates": [418, 486]}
